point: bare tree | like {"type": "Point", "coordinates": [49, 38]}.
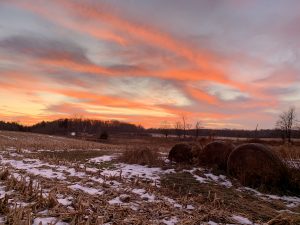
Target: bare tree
{"type": "Point", "coordinates": [286, 123]}
{"type": "Point", "coordinates": [197, 128]}
{"type": "Point", "coordinates": [255, 132]}
{"type": "Point", "coordinates": [184, 124]}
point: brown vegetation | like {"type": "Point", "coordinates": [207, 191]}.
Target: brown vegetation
{"type": "Point", "coordinates": [285, 219]}
{"type": "Point", "coordinates": [216, 154]}
{"type": "Point", "coordinates": [255, 165]}
{"type": "Point", "coordinates": [141, 156]}
{"type": "Point", "coordinates": [174, 192]}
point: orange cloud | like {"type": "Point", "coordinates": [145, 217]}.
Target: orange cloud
{"type": "Point", "coordinates": [188, 63]}
{"type": "Point", "coordinates": [202, 96]}
{"type": "Point", "coordinates": [203, 60]}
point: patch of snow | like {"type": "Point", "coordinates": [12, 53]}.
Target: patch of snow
{"type": "Point", "coordinates": [226, 183]}
{"type": "Point", "coordinates": [32, 166]}
{"type": "Point", "coordinates": [44, 212]}
{"type": "Point", "coordinates": [211, 223]}
{"type": "Point", "coordinates": [290, 201]}
{"type": "Point", "coordinates": [251, 190]}
{"type": "Point", "coordinates": [176, 205]}
{"type": "Point", "coordinates": [73, 173]}
{"type": "Point", "coordinates": [2, 220]}
{"type": "Point", "coordinates": [221, 179]}
{"type": "Point", "coordinates": [11, 149]}
{"type": "Point", "coordinates": [2, 192]}
{"type": "Point", "coordinates": [166, 160]}
{"type": "Point", "coordinates": [47, 173]}
{"type": "Point", "coordinates": [241, 219]}
{"type": "Point", "coordinates": [101, 159]}
{"type": "Point", "coordinates": [13, 154]}
{"type": "Point", "coordinates": [201, 180]}
{"type": "Point", "coordinates": [172, 221]}
{"type": "Point", "coordinates": [65, 201]}
{"type": "Point", "coordinates": [115, 201]}
{"type": "Point", "coordinates": [134, 171]}
{"type": "Point", "coordinates": [144, 195]}
{"type": "Point", "coordinates": [190, 207]}
{"type": "Point", "coordinates": [173, 202]}
{"type": "Point", "coordinates": [91, 191]}
{"type": "Point", "coordinates": [98, 179]}
{"type": "Point", "coordinates": [8, 137]}
{"type": "Point", "coordinates": [293, 164]}
{"type": "Point", "coordinates": [17, 203]}
{"type": "Point", "coordinates": [47, 220]}
{"type": "Point", "coordinates": [90, 169]}
{"type": "Point", "coordinates": [211, 176]}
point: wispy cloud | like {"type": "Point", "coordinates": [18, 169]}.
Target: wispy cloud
{"type": "Point", "coordinates": [114, 60]}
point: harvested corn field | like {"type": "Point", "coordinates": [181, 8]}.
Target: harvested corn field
{"type": "Point", "coordinates": [90, 184]}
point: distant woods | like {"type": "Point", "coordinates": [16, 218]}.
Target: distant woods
{"type": "Point", "coordinates": [286, 128]}
{"type": "Point", "coordinates": [12, 126]}
{"type": "Point", "coordinates": [75, 127]}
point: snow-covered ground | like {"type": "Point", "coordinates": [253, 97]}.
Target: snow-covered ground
{"type": "Point", "coordinates": [101, 159]}
{"type": "Point", "coordinates": [241, 219]}
{"type": "Point", "coordinates": [122, 185]}
{"type": "Point", "coordinates": [289, 201]}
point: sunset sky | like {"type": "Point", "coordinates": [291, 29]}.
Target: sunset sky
{"type": "Point", "coordinates": [228, 64]}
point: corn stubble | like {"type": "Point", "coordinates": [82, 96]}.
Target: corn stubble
{"type": "Point", "coordinates": [27, 196]}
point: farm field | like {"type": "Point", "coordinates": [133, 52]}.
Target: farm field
{"type": "Point", "coordinates": [54, 180]}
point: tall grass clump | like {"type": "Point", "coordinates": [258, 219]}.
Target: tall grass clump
{"type": "Point", "coordinates": [141, 156]}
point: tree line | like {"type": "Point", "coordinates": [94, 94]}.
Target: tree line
{"type": "Point", "coordinates": [74, 126]}
{"type": "Point", "coordinates": [287, 127]}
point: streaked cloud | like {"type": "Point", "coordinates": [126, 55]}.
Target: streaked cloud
{"type": "Point", "coordinates": [149, 61]}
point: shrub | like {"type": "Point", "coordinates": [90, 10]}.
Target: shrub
{"type": "Point", "coordinates": [144, 156]}
{"type": "Point", "coordinates": [294, 180]}
{"type": "Point", "coordinates": [216, 154]}
{"type": "Point", "coordinates": [256, 166]}
{"type": "Point", "coordinates": [104, 135]}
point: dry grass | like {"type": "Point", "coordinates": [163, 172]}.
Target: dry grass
{"type": "Point", "coordinates": [141, 156]}
{"type": "Point", "coordinates": [35, 142]}
{"type": "Point", "coordinates": [71, 155]}
{"type": "Point", "coordinates": [289, 153]}
{"type": "Point", "coordinates": [218, 200]}
{"type": "Point", "coordinates": [212, 202]}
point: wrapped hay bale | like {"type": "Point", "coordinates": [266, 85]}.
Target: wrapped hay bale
{"type": "Point", "coordinates": [215, 154]}
{"type": "Point", "coordinates": [255, 165]}
{"type": "Point", "coordinates": [183, 153]}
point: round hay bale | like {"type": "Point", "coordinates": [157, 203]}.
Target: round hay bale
{"type": "Point", "coordinates": [183, 153]}
{"type": "Point", "coordinates": [255, 165]}
{"type": "Point", "coordinates": [215, 154]}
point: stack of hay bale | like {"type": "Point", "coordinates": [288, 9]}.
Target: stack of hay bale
{"type": "Point", "coordinates": [254, 165]}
